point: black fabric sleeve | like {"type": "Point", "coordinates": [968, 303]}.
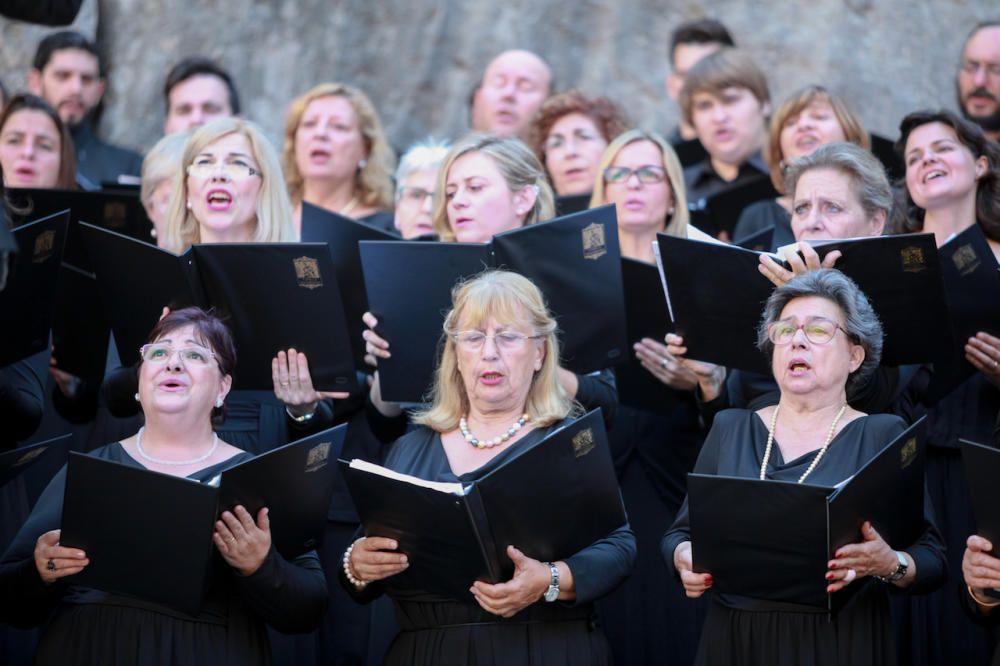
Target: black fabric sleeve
{"type": "Point", "coordinates": [289, 596]}
{"type": "Point", "coordinates": [22, 403]}
{"type": "Point", "coordinates": [603, 565]}
{"type": "Point", "coordinates": [598, 389]}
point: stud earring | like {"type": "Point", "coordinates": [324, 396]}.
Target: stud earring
{"type": "Point", "coordinates": [137, 396]}
{"type": "Point", "coordinates": [189, 204]}
{"type": "Point", "coordinates": [218, 403]}
{"type": "Point", "coordinates": [362, 164]}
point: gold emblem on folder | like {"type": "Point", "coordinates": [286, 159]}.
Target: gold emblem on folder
{"type": "Point", "coordinates": [965, 259]}
{"type": "Point", "coordinates": [115, 215]}
{"type": "Point", "coordinates": [44, 244]}
{"type": "Point", "coordinates": [29, 456]}
{"type": "Point", "coordinates": [307, 272]}
{"type": "Point", "coordinates": [583, 443]}
{"type": "Point", "coordinates": [317, 456]}
{"type": "Point", "coordinates": [594, 246]}
{"type": "Point", "coordinates": [908, 453]}
{"type": "Point", "coordinates": [913, 259]}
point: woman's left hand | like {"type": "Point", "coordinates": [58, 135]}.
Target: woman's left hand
{"type": "Point", "coordinates": [242, 543]}
{"type": "Point", "coordinates": [293, 383]}
{"type": "Point", "coordinates": [983, 352]}
{"type": "Point", "coordinates": [663, 365]}
{"type": "Point", "coordinates": [530, 581]}
{"type": "Point", "coordinates": [871, 557]}
{"type": "Point", "coordinates": [801, 258]}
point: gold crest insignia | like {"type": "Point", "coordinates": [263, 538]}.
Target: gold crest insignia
{"type": "Point", "coordinates": [44, 244]}
{"type": "Point", "coordinates": [29, 456]}
{"type": "Point", "coordinates": [115, 215]}
{"type": "Point", "coordinates": [965, 259]}
{"type": "Point", "coordinates": [594, 246]}
{"type": "Point", "coordinates": [307, 272]}
{"type": "Point", "coordinates": [583, 443]}
{"type": "Point", "coordinates": [317, 456]}
{"type": "Point", "coordinates": [913, 259]}
{"type": "Point", "coordinates": [908, 453]}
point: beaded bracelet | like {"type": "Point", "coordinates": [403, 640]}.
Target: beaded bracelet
{"type": "Point", "coordinates": [351, 578]}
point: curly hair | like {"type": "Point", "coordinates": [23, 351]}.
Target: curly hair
{"type": "Point", "coordinates": [608, 117]}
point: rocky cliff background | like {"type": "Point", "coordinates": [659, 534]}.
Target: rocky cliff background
{"type": "Point", "coordinates": [418, 59]}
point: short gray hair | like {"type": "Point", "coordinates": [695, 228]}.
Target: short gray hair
{"type": "Point", "coordinates": [424, 155]}
{"type": "Point", "coordinates": [862, 325]}
{"type": "Point", "coordinates": [860, 165]}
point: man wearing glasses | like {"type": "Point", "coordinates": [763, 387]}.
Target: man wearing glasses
{"type": "Point", "coordinates": [978, 84]}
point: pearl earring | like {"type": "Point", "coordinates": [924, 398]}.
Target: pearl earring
{"type": "Point", "coordinates": [189, 204]}
{"type": "Point", "coordinates": [218, 403]}
{"type": "Point", "coordinates": [137, 396]}
{"type": "Point", "coordinates": [362, 164]}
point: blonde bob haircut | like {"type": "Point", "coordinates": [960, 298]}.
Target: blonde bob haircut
{"type": "Point", "coordinates": [797, 102]}
{"type": "Point", "coordinates": [677, 225]}
{"type": "Point", "coordinates": [161, 163]}
{"type": "Point", "coordinates": [516, 162]}
{"type": "Point", "coordinates": [373, 181]}
{"type": "Point", "coordinates": [274, 212]}
{"type": "Point", "coordinates": [508, 298]}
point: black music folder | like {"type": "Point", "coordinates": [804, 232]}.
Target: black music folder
{"type": "Point", "coordinates": [715, 296]}
{"type": "Point", "coordinates": [572, 203]}
{"type": "Point", "coordinates": [772, 539]}
{"type": "Point", "coordinates": [343, 234]}
{"type": "Point", "coordinates": [982, 468]}
{"type": "Point", "coordinates": [27, 303]}
{"type": "Point", "coordinates": [885, 150]}
{"type": "Point", "coordinates": [646, 316]}
{"type": "Point", "coordinates": [972, 290]}
{"type": "Point", "coordinates": [149, 534]}
{"type": "Point", "coordinates": [272, 296]}
{"type": "Point", "coordinates": [720, 212]}
{"type": "Point", "coordinates": [759, 241]}
{"type": "Point", "coordinates": [573, 260]}
{"type": "Point", "coordinates": [16, 461]}
{"type": "Point", "coordinates": [455, 534]}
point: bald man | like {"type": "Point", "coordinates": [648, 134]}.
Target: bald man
{"type": "Point", "coordinates": [979, 78]}
{"type": "Point", "coordinates": [512, 89]}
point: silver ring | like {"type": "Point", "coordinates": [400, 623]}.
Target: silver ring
{"type": "Point", "coordinates": [284, 383]}
{"type": "Point", "coordinates": [851, 575]}
{"type": "Point", "coordinates": [995, 364]}
{"type": "Point", "coordinates": [663, 363]}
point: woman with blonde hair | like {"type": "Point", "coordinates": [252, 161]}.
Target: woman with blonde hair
{"type": "Point", "coordinates": [232, 190]}
{"type": "Point", "coordinates": [160, 170]}
{"type": "Point", "coordinates": [336, 155]}
{"type": "Point", "coordinates": [496, 394]}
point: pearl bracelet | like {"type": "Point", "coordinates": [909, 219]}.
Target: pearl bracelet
{"type": "Point", "coordinates": [351, 578]}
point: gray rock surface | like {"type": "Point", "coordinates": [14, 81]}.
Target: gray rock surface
{"type": "Point", "coordinates": [419, 59]}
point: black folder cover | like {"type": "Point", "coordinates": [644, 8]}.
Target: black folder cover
{"type": "Point", "coordinates": [533, 501]}
{"type": "Point", "coordinates": [572, 203]}
{"type": "Point", "coordinates": [343, 234]}
{"type": "Point", "coordinates": [574, 261]}
{"type": "Point", "coordinates": [972, 289]}
{"type": "Point", "coordinates": [720, 212]}
{"type": "Point", "coordinates": [759, 241]}
{"type": "Point", "coordinates": [982, 468]}
{"type": "Point", "coordinates": [274, 296]}
{"type": "Point", "coordinates": [16, 461]}
{"type": "Point", "coordinates": [772, 539]}
{"type": "Point", "coordinates": [715, 296]}
{"type": "Point", "coordinates": [149, 534]}
{"type": "Point", "coordinates": [646, 316]}
{"type": "Point", "coordinates": [27, 303]}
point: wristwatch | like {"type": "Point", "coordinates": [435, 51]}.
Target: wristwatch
{"type": "Point", "coordinates": [552, 593]}
{"type": "Point", "coordinates": [900, 571]}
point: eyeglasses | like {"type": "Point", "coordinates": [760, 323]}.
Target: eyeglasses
{"type": "Point", "coordinates": [414, 195]}
{"type": "Point", "coordinates": [233, 170]}
{"type": "Point", "coordinates": [972, 68]}
{"type": "Point", "coordinates": [507, 341]}
{"type": "Point", "coordinates": [161, 353]}
{"type": "Point", "coordinates": [647, 174]}
{"type": "Point", "coordinates": [818, 330]}
{"type": "Point", "coordinates": [556, 141]}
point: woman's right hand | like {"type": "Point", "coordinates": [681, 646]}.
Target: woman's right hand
{"type": "Point", "coordinates": [695, 584]}
{"type": "Point", "coordinates": [375, 346]}
{"type": "Point", "coordinates": [54, 561]}
{"type": "Point", "coordinates": [374, 558]}
{"type": "Point", "coordinates": [980, 570]}
{"type": "Point", "coordinates": [801, 258]}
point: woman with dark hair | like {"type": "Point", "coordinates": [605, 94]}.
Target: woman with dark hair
{"type": "Point", "coordinates": [569, 134]}
{"type": "Point", "coordinates": [184, 378]}
{"type": "Point", "coordinates": [822, 337]}
{"type": "Point", "coordinates": [952, 183]}
{"type": "Point", "coordinates": [36, 149]}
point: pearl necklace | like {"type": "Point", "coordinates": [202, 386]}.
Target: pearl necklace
{"type": "Point", "coordinates": [463, 425]}
{"type": "Point", "coordinates": [161, 461]}
{"type": "Point", "coordinates": [812, 465]}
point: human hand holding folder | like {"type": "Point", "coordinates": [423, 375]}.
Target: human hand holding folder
{"type": "Point", "coordinates": [243, 543]}
{"type": "Point", "coordinates": [695, 584]}
{"type": "Point", "coordinates": [983, 352]}
{"type": "Point", "coordinates": [980, 570]}
{"type": "Point", "coordinates": [374, 558]}
{"type": "Point", "coordinates": [872, 556]}
{"type": "Point", "coordinates": [530, 581]}
{"type": "Point", "coordinates": [54, 561]}
{"type": "Point", "coordinates": [293, 384]}
{"type": "Point", "coordinates": [801, 258]}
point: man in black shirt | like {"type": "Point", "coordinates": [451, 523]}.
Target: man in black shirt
{"type": "Point", "coordinates": [68, 74]}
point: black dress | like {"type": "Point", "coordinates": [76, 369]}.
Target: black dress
{"type": "Point", "coordinates": [740, 630]}
{"type": "Point", "coordinates": [93, 627]}
{"type": "Point", "coordinates": [439, 631]}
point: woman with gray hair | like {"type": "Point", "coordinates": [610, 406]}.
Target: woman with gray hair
{"type": "Point", "coordinates": [415, 179]}
{"type": "Point", "coordinates": [822, 336]}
